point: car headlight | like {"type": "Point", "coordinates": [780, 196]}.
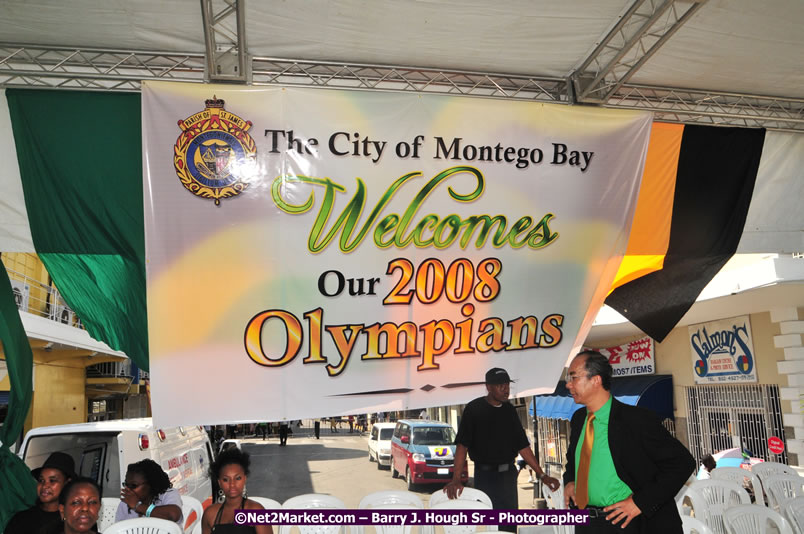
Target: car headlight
{"type": "Point", "coordinates": [418, 457]}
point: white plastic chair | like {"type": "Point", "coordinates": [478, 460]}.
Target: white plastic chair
{"type": "Point", "coordinates": [144, 525]}
{"type": "Point", "coordinates": [710, 498]}
{"type": "Point", "coordinates": [312, 500]}
{"type": "Point", "coordinates": [739, 475]}
{"type": "Point", "coordinates": [694, 526]}
{"type": "Point", "coordinates": [468, 494]}
{"type": "Point", "coordinates": [555, 499]}
{"type": "Point", "coordinates": [192, 511]}
{"type": "Point", "coordinates": [461, 504]}
{"type": "Point", "coordinates": [268, 504]}
{"type": "Point", "coordinates": [380, 499]}
{"type": "Point", "coordinates": [780, 488]}
{"type": "Point", "coordinates": [682, 499]}
{"type": "Point", "coordinates": [793, 511]}
{"type": "Point", "coordinates": [753, 519]}
{"type": "Point", "coordinates": [107, 512]}
{"type": "Point", "coordinates": [765, 470]}
{"type": "Point", "coordinates": [390, 500]}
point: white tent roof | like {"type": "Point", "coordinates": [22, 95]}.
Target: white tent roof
{"type": "Point", "coordinates": [731, 46]}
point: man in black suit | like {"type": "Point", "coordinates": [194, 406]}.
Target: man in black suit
{"type": "Point", "coordinates": [622, 464]}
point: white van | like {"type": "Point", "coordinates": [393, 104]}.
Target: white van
{"type": "Point", "coordinates": [103, 450]}
{"type": "Point", "coordinates": [379, 443]}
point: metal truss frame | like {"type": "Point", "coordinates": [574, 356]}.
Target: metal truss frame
{"type": "Point", "coordinates": [48, 67]}
{"type": "Point", "coordinates": [225, 38]}
{"type": "Point", "coordinates": [642, 28]}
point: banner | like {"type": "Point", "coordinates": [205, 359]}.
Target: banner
{"type": "Point", "coordinates": [321, 252]}
{"type": "Point", "coordinates": [630, 359]}
{"type": "Point", "coordinates": [723, 351]}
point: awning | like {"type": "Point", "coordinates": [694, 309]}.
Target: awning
{"type": "Point", "coordinates": [654, 392]}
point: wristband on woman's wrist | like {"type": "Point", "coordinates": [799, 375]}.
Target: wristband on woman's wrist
{"type": "Point", "coordinates": [149, 510]}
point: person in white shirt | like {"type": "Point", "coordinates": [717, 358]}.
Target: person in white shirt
{"type": "Point", "coordinates": [147, 492]}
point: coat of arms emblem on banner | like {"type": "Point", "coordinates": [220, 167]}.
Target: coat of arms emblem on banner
{"type": "Point", "coordinates": [214, 156]}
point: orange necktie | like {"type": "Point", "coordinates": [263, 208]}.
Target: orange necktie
{"type": "Point", "coordinates": [582, 479]}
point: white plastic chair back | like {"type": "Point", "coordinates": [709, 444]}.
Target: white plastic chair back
{"type": "Point", "coordinates": [793, 511]}
{"type": "Point", "coordinates": [780, 488]}
{"type": "Point", "coordinates": [694, 526]}
{"type": "Point", "coordinates": [683, 502]}
{"type": "Point", "coordinates": [107, 512]}
{"type": "Point", "coordinates": [765, 470]}
{"type": "Point", "coordinates": [461, 504]}
{"type": "Point", "coordinates": [379, 499]}
{"type": "Point", "coordinates": [741, 476]}
{"type": "Point", "coordinates": [144, 525]}
{"type": "Point", "coordinates": [192, 511]}
{"type": "Point", "coordinates": [710, 498]}
{"type": "Point", "coordinates": [555, 499]}
{"type": "Point", "coordinates": [468, 494]}
{"type": "Point", "coordinates": [753, 519]}
{"type": "Point", "coordinates": [268, 504]}
{"type": "Point", "coordinates": [312, 500]}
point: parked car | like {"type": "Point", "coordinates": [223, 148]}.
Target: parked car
{"type": "Point", "coordinates": [424, 451]}
{"type": "Point", "coordinates": [379, 443]}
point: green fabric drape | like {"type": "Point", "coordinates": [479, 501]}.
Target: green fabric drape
{"type": "Point", "coordinates": [18, 486]}
{"type": "Point", "coordinates": [80, 159]}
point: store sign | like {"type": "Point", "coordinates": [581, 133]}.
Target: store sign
{"type": "Point", "coordinates": [634, 358]}
{"type": "Point", "coordinates": [723, 351]}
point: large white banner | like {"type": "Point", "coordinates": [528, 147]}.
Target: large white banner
{"type": "Point", "coordinates": [322, 252]}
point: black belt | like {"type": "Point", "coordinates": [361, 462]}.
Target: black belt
{"type": "Point", "coordinates": [596, 512]}
{"type": "Point", "coordinates": [498, 468]}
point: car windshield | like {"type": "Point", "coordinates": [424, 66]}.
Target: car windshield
{"type": "Point", "coordinates": [386, 433]}
{"type": "Point", "coordinates": [433, 435]}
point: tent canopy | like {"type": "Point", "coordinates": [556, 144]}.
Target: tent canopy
{"type": "Point", "coordinates": [654, 392]}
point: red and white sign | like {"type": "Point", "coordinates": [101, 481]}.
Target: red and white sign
{"type": "Point", "coordinates": [775, 445]}
{"type": "Point", "coordinates": [634, 358]}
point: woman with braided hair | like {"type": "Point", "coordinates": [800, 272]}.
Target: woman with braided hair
{"type": "Point", "coordinates": [147, 492]}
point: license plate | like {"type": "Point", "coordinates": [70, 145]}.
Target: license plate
{"type": "Point", "coordinates": [443, 471]}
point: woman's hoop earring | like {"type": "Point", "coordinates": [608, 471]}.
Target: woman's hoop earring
{"type": "Point", "coordinates": [221, 496]}
{"type": "Point", "coordinates": [245, 493]}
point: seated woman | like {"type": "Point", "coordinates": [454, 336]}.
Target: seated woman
{"type": "Point", "coordinates": [148, 492]}
{"type": "Point", "coordinates": [230, 469]}
{"type": "Point", "coordinates": [79, 506]}
{"type": "Point", "coordinates": [51, 478]}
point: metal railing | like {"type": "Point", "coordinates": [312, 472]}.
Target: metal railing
{"type": "Point", "coordinates": [123, 369]}
{"type": "Point", "coordinates": [735, 415]}
{"type": "Point", "coordinates": [32, 296]}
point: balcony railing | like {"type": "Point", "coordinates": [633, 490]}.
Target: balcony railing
{"type": "Point", "coordinates": [115, 370]}
{"type": "Point", "coordinates": [32, 296]}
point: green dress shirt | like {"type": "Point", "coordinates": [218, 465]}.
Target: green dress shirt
{"type": "Point", "coordinates": [605, 487]}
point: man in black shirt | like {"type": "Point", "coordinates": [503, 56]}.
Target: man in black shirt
{"type": "Point", "coordinates": [492, 434]}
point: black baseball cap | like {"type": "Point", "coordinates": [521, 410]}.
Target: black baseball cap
{"type": "Point", "coordinates": [497, 375]}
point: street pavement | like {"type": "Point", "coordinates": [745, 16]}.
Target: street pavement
{"type": "Point", "coordinates": [337, 464]}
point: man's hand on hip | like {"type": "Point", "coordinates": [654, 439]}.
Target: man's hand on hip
{"type": "Point", "coordinates": [569, 494]}
{"type": "Point", "coordinates": [623, 510]}
{"type": "Point", "coordinates": [453, 489]}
